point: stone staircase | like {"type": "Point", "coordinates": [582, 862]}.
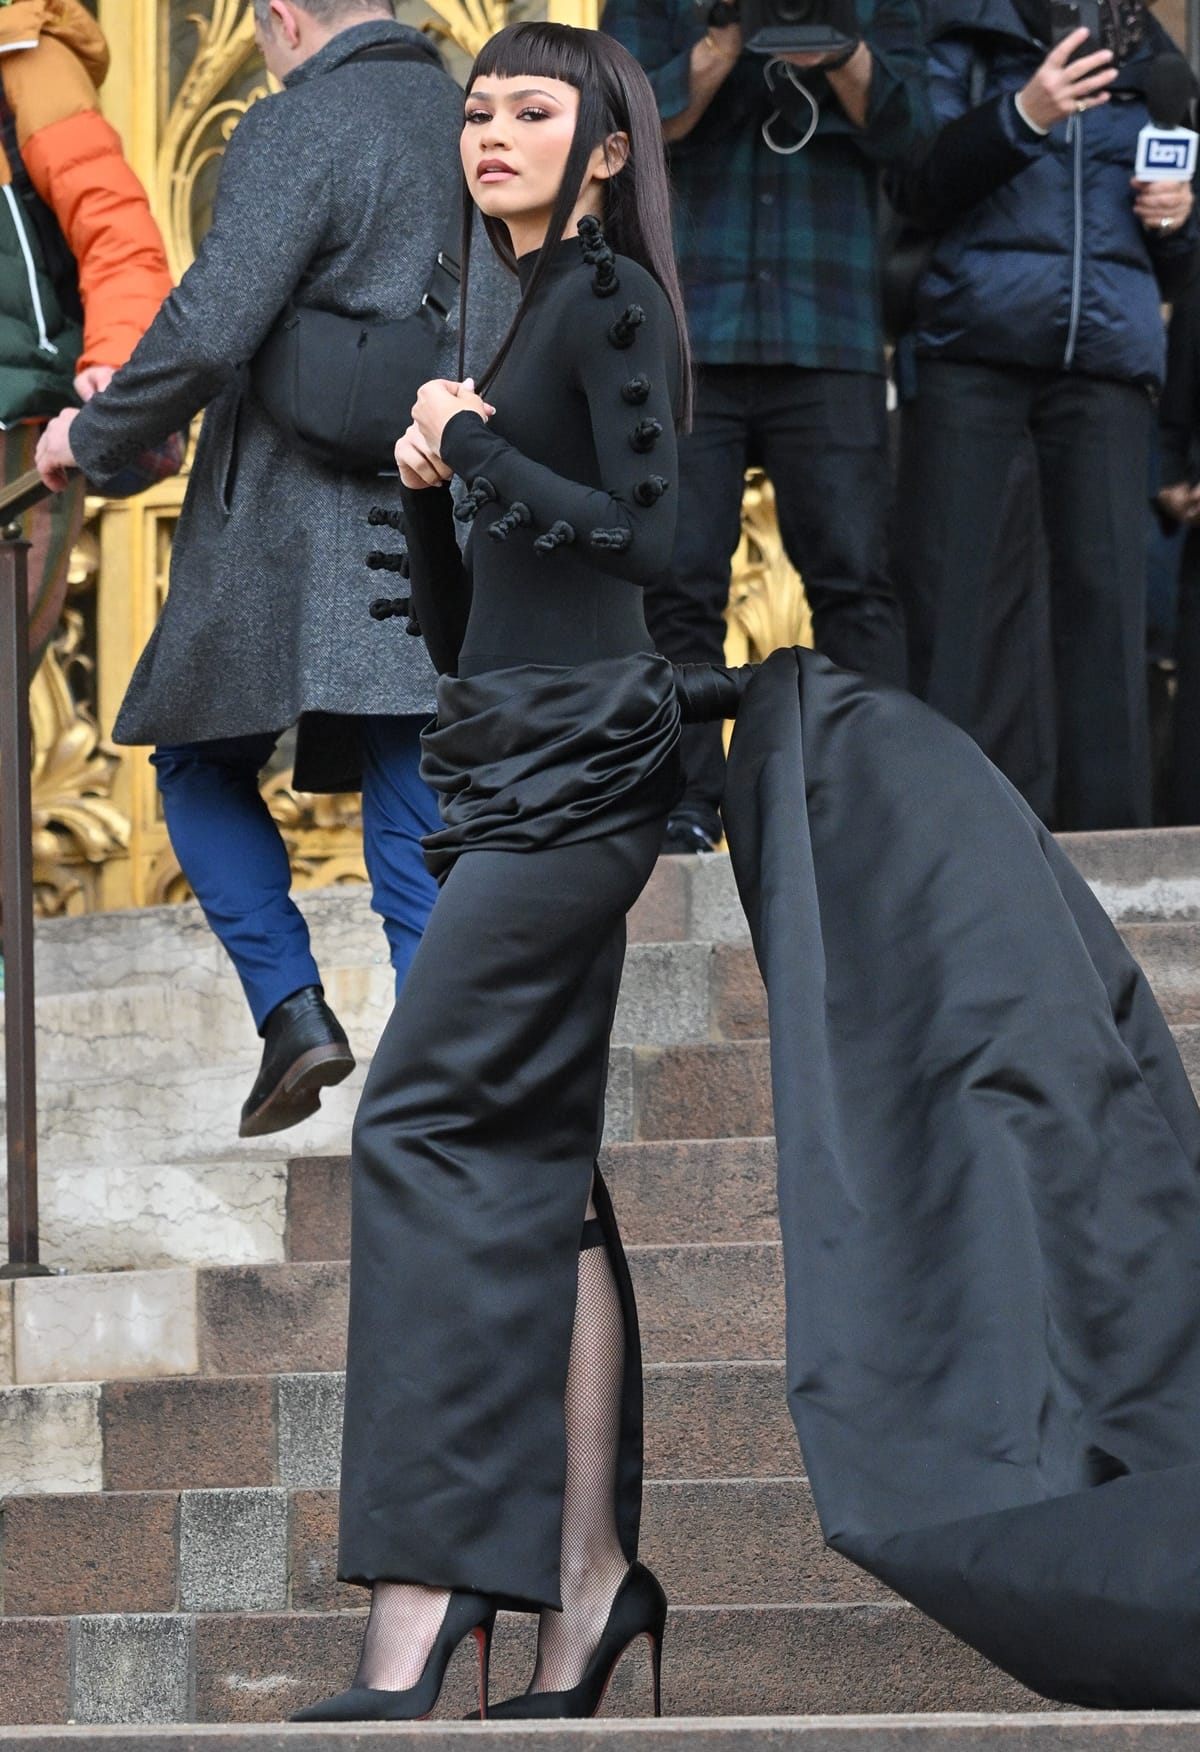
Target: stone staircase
{"type": "Point", "coordinates": [169, 1439]}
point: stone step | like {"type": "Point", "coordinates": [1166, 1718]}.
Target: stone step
{"type": "Point", "coordinates": [147, 1169]}
{"type": "Point", "coordinates": [148, 1172]}
{"type": "Point", "coordinates": [697, 1303]}
{"type": "Point", "coordinates": [668, 1190]}
{"type": "Point", "coordinates": [670, 993]}
{"type": "Point", "coordinates": [726, 1661]}
{"type": "Point", "coordinates": [1140, 874]}
{"type": "Point", "coordinates": [712, 1542]}
{"type": "Point", "coordinates": [1137, 875]}
{"type": "Point", "coordinates": [703, 1420]}
{"type": "Point", "coordinates": [1169, 955]}
{"type": "Point", "coordinates": [1126, 1731]}
{"type": "Point", "coordinates": [189, 1112]}
{"type": "Point", "coordinates": [685, 898]}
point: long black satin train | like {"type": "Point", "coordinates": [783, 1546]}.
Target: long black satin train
{"type": "Point", "coordinates": [989, 1196]}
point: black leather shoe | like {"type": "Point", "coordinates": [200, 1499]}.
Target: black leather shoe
{"type": "Point", "coordinates": [304, 1050]}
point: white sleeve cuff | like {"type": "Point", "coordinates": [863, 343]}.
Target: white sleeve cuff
{"type": "Point", "coordinates": [1020, 109]}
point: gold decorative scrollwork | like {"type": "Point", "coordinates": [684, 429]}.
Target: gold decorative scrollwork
{"type": "Point", "coordinates": [75, 825]}
{"type": "Point", "coordinates": [198, 126]}
{"type": "Point", "coordinates": [468, 23]}
{"type": "Point", "coordinates": [767, 604]}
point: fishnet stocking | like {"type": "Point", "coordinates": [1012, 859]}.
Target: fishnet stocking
{"type": "Point", "coordinates": [593, 1565]}
{"type": "Point", "coordinates": [405, 1619]}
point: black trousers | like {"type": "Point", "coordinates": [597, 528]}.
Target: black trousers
{"type": "Point", "coordinates": [961, 437]}
{"type": "Point", "coordinates": [1183, 763]}
{"type": "Point", "coordinates": [821, 437]}
{"type": "Point", "coordinates": [474, 1154]}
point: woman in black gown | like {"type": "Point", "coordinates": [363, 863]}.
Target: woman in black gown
{"type": "Point", "coordinates": [492, 1445]}
{"type": "Point", "coordinates": [989, 1154]}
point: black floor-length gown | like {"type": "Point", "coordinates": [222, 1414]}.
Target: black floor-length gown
{"type": "Point", "coordinates": [554, 756]}
{"type": "Point", "coordinates": [989, 1154]}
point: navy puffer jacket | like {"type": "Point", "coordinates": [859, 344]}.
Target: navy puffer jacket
{"type": "Point", "coordinates": [1040, 259]}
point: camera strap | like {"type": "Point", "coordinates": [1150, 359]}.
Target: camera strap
{"type": "Point", "coordinates": [785, 84]}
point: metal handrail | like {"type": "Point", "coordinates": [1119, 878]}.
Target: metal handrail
{"type": "Point", "coordinates": [16, 881]}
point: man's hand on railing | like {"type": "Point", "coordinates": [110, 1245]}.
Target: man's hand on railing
{"type": "Point", "coordinates": [54, 456]}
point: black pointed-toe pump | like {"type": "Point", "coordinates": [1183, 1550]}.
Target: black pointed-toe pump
{"type": "Point", "coordinates": [466, 1615]}
{"type": "Point", "coordinates": [639, 1609]}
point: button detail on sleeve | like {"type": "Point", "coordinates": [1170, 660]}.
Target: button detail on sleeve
{"type": "Point", "coordinates": [645, 435]}
{"type": "Point", "coordinates": [558, 535]}
{"type": "Point", "coordinates": [612, 540]}
{"type": "Point", "coordinates": [381, 562]}
{"type": "Point", "coordinates": [624, 331]}
{"type": "Point", "coordinates": [517, 515]}
{"type": "Point", "coordinates": [649, 491]}
{"type": "Point", "coordinates": [480, 493]}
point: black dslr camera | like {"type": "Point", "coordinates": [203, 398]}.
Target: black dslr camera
{"type": "Point", "coordinates": [794, 27]}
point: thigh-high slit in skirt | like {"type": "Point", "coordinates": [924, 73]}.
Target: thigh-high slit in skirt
{"type": "Point", "coordinates": [476, 1139]}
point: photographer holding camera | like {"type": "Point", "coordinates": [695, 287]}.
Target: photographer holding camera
{"type": "Point", "coordinates": [777, 120]}
{"type": "Point", "coordinates": [1056, 233]}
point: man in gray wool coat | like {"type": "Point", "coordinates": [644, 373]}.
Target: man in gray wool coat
{"type": "Point", "coordinates": [336, 193]}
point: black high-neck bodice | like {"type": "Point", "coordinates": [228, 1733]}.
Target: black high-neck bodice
{"type": "Point", "coordinates": [571, 482]}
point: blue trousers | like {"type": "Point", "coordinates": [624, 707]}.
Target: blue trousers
{"type": "Point", "coordinates": [235, 860]}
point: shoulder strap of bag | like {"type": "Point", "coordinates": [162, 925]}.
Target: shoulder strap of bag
{"type": "Point", "coordinates": [441, 289]}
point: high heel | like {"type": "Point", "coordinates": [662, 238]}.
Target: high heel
{"type": "Point", "coordinates": [466, 1615]}
{"type": "Point", "coordinates": [639, 1609]}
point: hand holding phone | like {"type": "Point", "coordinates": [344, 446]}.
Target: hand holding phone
{"type": "Point", "coordinates": [1068, 81]}
{"type": "Point", "coordinates": [1068, 16]}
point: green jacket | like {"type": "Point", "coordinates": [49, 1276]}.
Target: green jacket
{"type": "Point", "coordinates": [41, 337]}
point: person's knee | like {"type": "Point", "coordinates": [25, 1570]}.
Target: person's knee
{"type": "Point", "coordinates": [235, 757]}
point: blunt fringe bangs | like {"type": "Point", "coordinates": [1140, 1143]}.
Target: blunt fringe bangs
{"type": "Point", "coordinates": [615, 97]}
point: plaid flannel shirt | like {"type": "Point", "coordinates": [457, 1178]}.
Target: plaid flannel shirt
{"type": "Point", "coordinates": [777, 254]}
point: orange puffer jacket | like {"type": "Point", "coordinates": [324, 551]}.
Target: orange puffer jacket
{"type": "Point", "coordinates": [52, 58]}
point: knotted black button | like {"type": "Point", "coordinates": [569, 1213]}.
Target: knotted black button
{"type": "Point", "coordinates": [381, 562]}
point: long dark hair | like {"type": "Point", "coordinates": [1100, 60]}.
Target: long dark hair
{"type": "Point", "coordinates": [614, 98]}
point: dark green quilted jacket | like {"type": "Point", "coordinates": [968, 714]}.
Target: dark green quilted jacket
{"type": "Point", "coordinates": [40, 341]}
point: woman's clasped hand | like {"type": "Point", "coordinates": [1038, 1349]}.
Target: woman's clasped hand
{"type": "Point", "coordinates": [418, 452]}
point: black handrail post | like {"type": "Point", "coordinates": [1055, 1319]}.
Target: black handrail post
{"type": "Point", "coordinates": [16, 898]}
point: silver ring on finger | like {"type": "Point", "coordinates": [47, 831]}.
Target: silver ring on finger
{"type": "Point", "coordinates": [1080, 106]}
{"type": "Point", "coordinates": [1164, 224]}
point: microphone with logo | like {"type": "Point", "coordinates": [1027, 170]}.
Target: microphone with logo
{"type": "Point", "coordinates": [1166, 150]}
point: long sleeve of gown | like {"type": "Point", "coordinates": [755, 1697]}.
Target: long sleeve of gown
{"type": "Point", "coordinates": [439, 584]}
{"type": "Point", "coordinates": [621, 356]}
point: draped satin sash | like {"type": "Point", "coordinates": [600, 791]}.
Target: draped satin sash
{"type": "Point", "coordinates": [538, 755]}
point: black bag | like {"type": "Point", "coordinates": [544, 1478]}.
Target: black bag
{"type": "Point", "coordinates": [340, 389]}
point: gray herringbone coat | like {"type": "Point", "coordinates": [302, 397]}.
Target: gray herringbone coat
{"type": "Point", "coordinates": [339, 191]}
